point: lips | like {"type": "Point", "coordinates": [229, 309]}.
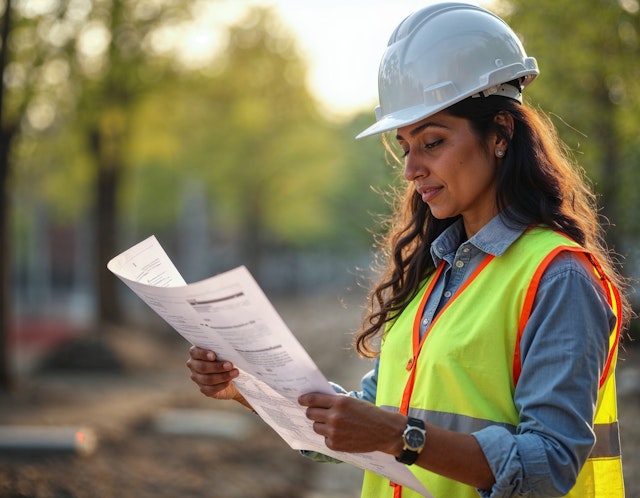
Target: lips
{"type": "Point", "coordinates": [428, 192]}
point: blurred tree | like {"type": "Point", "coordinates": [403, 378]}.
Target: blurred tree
{"type": "Point", "coordinates": [34, 41]}
{"type": "Point", "coordinates": [325, 187]}
{"type": "Point", "coordinates": [588, 52]}
{"type": "Point", "coordinates": [367, 176]}
{"type": "Point", "coordinates": [278, 176]}
{"type": "Point", "coordinates": [250, 130]}
{"type": "Point", "coordinates": [89, 60]}
{"type": "Point", "coordinates": [7, 132]}
{"type": "Point", "coordinates": [115, 67]}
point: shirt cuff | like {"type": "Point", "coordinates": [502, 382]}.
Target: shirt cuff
{"type": "Point", "coordinates": [511, 458]}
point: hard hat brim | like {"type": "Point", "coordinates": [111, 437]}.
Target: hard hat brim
{"type": "Point", "coordinates": [416, 113]}
{"type": "Point", "coordinates": [401, 118]}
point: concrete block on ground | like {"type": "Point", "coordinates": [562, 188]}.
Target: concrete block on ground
{"type": "Point", "coordinates": [33, 440]}
{"type": "Point", "coordinates": [213, 423]}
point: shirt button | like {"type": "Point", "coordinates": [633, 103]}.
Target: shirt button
{"type": "Point", "coordinates": [447, 294]}
{"type": "Point", "coordinates": [459, 264]}
{"type": "Point", "coordinates": [466, 249]}
{"type": "Point", "coordinates": [425, 322]}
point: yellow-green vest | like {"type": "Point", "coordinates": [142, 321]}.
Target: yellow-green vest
{"type": "Point", "coordinates": [465, 377]}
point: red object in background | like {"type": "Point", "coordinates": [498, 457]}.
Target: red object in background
{"type": "Point", "coordinates": [40, 333]}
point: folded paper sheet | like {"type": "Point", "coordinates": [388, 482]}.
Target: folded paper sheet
{"type": "Point", "coordinates": [229, 314]}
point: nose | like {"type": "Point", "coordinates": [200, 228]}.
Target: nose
{"type": "Point", "coordinates": [413, 168]}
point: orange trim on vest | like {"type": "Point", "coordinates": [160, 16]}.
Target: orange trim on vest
{"type": "Point", "coordinates": [615, 301]}
{"type": "Point", "coordinates": [611, 293]}
{"type": "Point", "coordinates": [418, 342]}
{"type": "Point", "coordinates": [397, 490]}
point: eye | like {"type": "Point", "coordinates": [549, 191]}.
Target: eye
{"type": "Point", "coordinates": [432, 145]}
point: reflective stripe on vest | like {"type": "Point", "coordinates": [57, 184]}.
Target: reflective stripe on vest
{"type": "Point", "coordinates": [467, 364]}
{"type": "Point", "coordinates": [607, 435]}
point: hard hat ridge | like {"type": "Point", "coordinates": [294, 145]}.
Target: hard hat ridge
{"type": "Point", "coordinates": [445, 53]}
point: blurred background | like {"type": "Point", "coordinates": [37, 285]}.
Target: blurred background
{"type": "Point", "coordinates": [226, 128]}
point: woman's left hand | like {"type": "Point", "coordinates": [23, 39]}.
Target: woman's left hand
{"type": "Point", "coordinates": [353, 425]}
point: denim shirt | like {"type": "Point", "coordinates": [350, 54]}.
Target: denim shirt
{"type": "Point", "coordinates": [563, 349]}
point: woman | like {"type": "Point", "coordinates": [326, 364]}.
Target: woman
{"type": "Point", "coordinates": [497, 314]}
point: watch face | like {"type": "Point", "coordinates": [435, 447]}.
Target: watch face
{"type": "Point", "coordinates": [414, 438]}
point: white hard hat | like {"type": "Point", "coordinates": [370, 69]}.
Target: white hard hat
{"type": "Point", "coordinates": [443, 54]}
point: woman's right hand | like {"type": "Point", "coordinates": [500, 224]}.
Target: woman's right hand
{"type": "Point", "coordinates": [213, 376]}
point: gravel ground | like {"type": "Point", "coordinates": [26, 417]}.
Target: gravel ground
{"type": "Point", "coordinates": [138, 457]}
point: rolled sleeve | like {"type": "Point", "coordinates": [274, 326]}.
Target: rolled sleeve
{"type": "Point", "coordinates": [519, 464]}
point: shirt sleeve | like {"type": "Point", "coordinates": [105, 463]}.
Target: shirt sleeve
{"type": "Point", "coordinates": [368, 385]}
{"type": "Point", "coordinates": [564, 348]}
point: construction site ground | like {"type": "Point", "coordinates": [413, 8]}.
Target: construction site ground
{"type": "Point", "coordinates": [158, 437]}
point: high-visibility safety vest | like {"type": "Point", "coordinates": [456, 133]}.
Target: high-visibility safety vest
{"type": "Point", "coordinates": [462, 374]}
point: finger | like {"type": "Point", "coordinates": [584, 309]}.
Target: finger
{"type": "Point", "coordinates": [324, 431]}
{"type": "Point", "coordinates": [207, 362]}
{"type": "Point", "coordinates": [212, 379]}
{"type": "Point", "coordinates": [202, 354]}
{"type": "Point", "coordinates": [320, 428]}
{"type": "Point", "coordinates": [317, 400]}
{"type": "Point", "coordinates": [318, 415]}
{"type": "Point", "coordinates": [209, 367]}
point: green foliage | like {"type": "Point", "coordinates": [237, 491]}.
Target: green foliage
{"type": "Point", "coordinates": [588, 54]}
{"type": "Point", "coordinates": [73, 68]}
{"type": "Point", "coordinates": [367, 176]}
{"type": "Point", "coordinates": [246, 131]}
{"type": "Point", "coordinates": [252, 135]}
{"type": "Point", "coordinates": [278, 157]}
{"type": "Point", "coordinates": [53, 169]}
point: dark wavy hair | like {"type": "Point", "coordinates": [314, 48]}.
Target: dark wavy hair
{"type": "Point", "coordinates": [538, 181]}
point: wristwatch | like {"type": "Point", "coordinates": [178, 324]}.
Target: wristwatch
{"type": "Point", "coordinates": [413, 437]}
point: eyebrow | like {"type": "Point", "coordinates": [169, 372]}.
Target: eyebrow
{"type": "Point", "coordinates": [419, 129]}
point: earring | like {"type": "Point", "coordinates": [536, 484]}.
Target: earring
{"type": "Point", "coordinates": [500, 153]}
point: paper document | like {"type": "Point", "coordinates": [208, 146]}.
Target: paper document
{"type": "Point", "coordinates": [229, 314]}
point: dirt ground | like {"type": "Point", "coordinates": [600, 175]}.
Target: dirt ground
{"type": "Point", "coordinates": [139, 456]}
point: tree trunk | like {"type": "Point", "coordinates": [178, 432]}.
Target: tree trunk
{"type": "Point", "coordinates": [251, 238]}
{"type": "Point", "coordinates": [6, 380]}
{"type": "Point", "coordinates": [109, 309]}
{"type": "Point", "coordinates": [106, 147]}
{"type": "Point", "coordinates": [610, 170]}
{"type": "Point", "coordinates": [6, 137]}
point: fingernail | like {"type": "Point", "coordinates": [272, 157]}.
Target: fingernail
{"type": "Point", "coordinates": [227, 366]}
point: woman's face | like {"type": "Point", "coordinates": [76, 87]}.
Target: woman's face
{"type": "Point", "coordinates": [453, 171]}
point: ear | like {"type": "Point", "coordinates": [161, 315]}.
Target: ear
{"type": "Point", "coordinates": [505, 121]}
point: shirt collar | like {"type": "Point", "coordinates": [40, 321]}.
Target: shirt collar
{"type": "Point", "coordinates": [494, 238]}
